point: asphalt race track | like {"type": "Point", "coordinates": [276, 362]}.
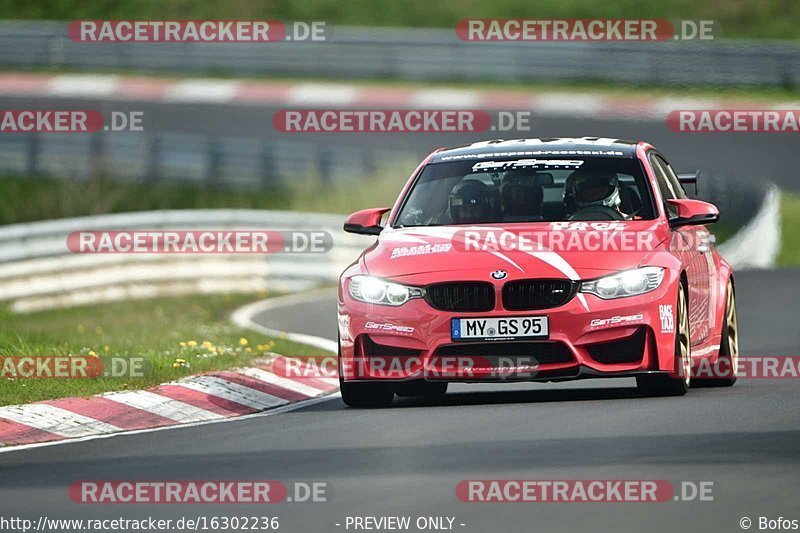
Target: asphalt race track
{"type": "Point", "coordinates": [747, 155]}
{"type": "Point", "coordinates": [407, 460]}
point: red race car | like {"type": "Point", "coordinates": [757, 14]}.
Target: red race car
{"type": "Point", "coordinates": [537, 260]}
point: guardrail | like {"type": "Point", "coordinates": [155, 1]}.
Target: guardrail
{"type": "Point", "coordinates": [218, 161]}
{"type": "Point", "coordinates": [418, 54]}
{"type": "Point", "coordinates": [37, 270]}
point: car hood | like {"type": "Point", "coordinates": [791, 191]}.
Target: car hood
{"type": "Point", "coordinates": [521, 250]}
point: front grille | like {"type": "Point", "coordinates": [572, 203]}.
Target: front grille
{"type": "Point", "coordinates": [468, 296]}
{"type": "Point", "coordinates": [529, 294]}
{"type": "Point", "coordinates": [627, 350]}
{"type": "Point", "coordinates": [542, 352]}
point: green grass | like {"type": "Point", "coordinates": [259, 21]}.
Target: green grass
{"type": "Point", "coordinates": [775, 19]}
{"type": "Point", "coordinates": [790, 230]}
{"type": "Point", "coordinates": [151, 329]}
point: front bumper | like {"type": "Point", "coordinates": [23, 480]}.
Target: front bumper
{"type": "Point", "coordinates": [589, 337]}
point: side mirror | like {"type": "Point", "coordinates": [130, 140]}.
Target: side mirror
{"type": "Point", "coordinates": [693, 213]}
{"type": "Point", "coordinates": [366, 221]}
{"type": "Point", "coordinates": [689, 178]}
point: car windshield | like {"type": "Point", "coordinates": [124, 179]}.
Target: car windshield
{"type": "Point", "coordinates": [485, 191]}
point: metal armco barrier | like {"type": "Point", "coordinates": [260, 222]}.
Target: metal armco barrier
{"type": "Point", "coordinates": [419, 54]}
{"type": "Point", "coordinates": [37, 270]}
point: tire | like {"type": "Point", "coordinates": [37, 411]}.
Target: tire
{"type": "Point", "coordinates": [667, 384]}
{"type": "Point", "coordinates": [729, 344]}
{"type": "Point", "coordinates": [426, 389]}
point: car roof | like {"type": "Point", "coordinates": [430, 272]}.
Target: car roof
{"type": "Point", "coordinates": [546, 146]}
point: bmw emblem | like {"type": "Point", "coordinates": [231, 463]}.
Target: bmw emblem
{"type": "Point", "coordinates": [499, 274]}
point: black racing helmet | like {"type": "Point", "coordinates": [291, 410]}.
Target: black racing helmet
{"type": "Point", "coordinates": [470, 202]}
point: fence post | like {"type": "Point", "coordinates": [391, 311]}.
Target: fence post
{"type": "Point", "coordinates": [32, 155]}
{"type": "Point", "coordinates": [213, 161]}
{"type": "Point", "coordinates": [270, 175]}
{"type": "Point", "coordinates": [97, 168]}
{"type": "Point", "coordinates": [152, 147]}
{"type": "Point", "coordinates": [325, 163]}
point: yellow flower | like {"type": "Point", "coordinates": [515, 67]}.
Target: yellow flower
{"type": "Point", "coordinates": [180, 361]}
{"type": "Point", "coordinates": [207, 345]}
{"type": "Point", "coordinates": [191, 344]}
{"type": "Point", "coordinates": [183, 344]}
{"type": "Point", "coordinates": [243, 342]}
{"type": "Point", "coordinates": [106, 348]}
{"type": "Point", "coordinates": [248, 349]}
{"type": "Point", "coordinates": [261, 347]}
{"type": "Point", "coordinates": [176, 365]}
{"type": "Point", "coordinates": [92, 353]}
{"type": "Point", "coordinates": [271, 344]}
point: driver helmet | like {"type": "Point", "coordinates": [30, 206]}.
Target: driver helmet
{"type": "Point", "coordinates": [470, 202]}
{"type": "Point", "coordinates": [521, 195]}
{"type": "Point", "coordinates": [584, 189]}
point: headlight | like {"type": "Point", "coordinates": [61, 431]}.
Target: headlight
{"type": "Point", "coordinates": [628, 283]}
{"type": "Point", "coordinates": [377, 291]}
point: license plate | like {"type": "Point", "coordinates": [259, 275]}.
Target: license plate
{"type": "Point", "coordinates": [506, 328]}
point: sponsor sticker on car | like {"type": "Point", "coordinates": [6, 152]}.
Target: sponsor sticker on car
{"type": "Point", "coordinates": [506, 328]}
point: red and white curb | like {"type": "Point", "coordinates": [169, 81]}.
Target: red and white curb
{"type": "Point", "coordinates": [199, 398]}
{"type": "Point", "coordinates": [346, 95]}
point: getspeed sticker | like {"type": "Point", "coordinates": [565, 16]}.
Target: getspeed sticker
{"type": "Point", "coordinates": [546, 163]}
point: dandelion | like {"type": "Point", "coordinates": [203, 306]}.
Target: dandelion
{"type": "Point", "coordinates": [191, 344]}
{"type": "Point", "coordinates": [207, 345]}
{"type": "Point", "coordinates": [106, 348]}
{"type": "Point", "coordinates": [248, 350]}
{"type": "Point", "coordinates": [243, 342]}
{"type": "Point", "coordinates": [92, 353]}
{"type": "Point", "coordinates": [182, 344]}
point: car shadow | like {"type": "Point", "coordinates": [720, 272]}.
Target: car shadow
{"type": "Point", "coordinates": [521, 396]}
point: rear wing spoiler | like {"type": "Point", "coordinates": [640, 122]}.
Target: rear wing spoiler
{"type": "Point", "coordinates": [689, 178]}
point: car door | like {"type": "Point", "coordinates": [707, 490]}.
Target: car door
{"type": "Point", "coordinates": [695, 247]}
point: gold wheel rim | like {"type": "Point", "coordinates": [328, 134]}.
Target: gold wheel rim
{"type": "Point", "coordinates": [683, 337]}
{"type": "Point", "coordinates": [732, 325]}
